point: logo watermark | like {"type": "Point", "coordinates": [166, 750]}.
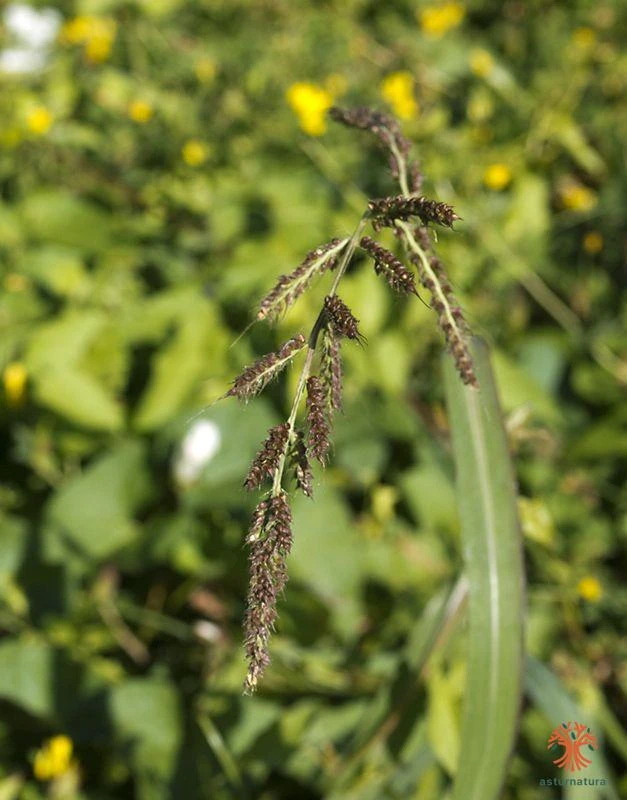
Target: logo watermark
{"type": "Point", "coordinates": [577, 741]}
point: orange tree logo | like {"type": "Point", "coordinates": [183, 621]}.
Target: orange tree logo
{"type": "Point", "coordinates": [573, 737]}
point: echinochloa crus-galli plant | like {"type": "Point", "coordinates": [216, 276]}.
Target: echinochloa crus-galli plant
{"type": "Point", "coordinates": [286, 454]}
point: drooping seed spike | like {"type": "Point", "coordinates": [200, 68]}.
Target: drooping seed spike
{"type": "Point", "coordinates": [331, 368]}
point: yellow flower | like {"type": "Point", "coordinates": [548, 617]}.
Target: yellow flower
{"type": "Point", "coordinates": [481, 62]}
{"type": "Point", "coordinates": [435, 21]}
{"type": "Point", "coordinates": [205, 69]}
{"type": "Point", "coordinates": [310, 103]}
{"type": "Point", "coordinates": [576, 197]}
{"type": "Point", "coordinates": [140, 111]}
{"type": "Point", "coordinates": [14, 380]}
{"type": "Point", "coordinates": [497, 177]}
{"type": "Point", "coordinates": [398, 90]}
{"type": "Point", "coordinates": [53, 759]}
{"type": "Point", "coordinates": [584, 38]}
{"type": "Point", "coordinates": [194, 152]}
{"type": "Point", "coordinates": [590, 589]}
{"type": "Point", "coordinates": [96, 34]}
{"type": "Point", "coordinates": [39, 121]}
{"type": "Point", "coordinates": [593, 242]}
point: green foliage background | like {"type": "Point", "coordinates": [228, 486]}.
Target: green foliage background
{"type": "Point", "coordinates": [127, 273]}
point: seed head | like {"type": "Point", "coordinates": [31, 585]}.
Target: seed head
{"type": "Point", "coordinates": [331, 369]}
{"type": "Point", "coordinates": [301, 466]}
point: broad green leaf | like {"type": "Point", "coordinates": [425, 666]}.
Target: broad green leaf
{"type": "Point", "coordinates": [147, 713]}
{"type": "Point", "coordinates": [486, 494]}
{"type": "Point", "coordinates": [95, 510]}
{"type": "Point", "coordinates": [79, 398]}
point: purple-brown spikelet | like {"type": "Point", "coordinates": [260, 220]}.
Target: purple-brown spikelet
{"type": "Point", "coordinates": [269, 550]}
{"type": "Point", "coordinates": [331, 368]}
{"type": "Point", "coordinates": [267, 459]}
{"type": "Point", "coordinates": [391, 268]}
{"type": "Point", "coordinates": [319, 430]}
{"type": "Point", "coordinates": [290, 287]}
{"type": "Point", "coordinates": [256, 377]}
{"type": "Point", "coordinates": [341, 318]}
{"type": "Point", "coordinates": [387, 210]}
{"type": "Point", "coordinates": [301, 466]}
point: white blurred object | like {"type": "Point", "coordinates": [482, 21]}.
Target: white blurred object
{"type": "Point", "coordinates": [207, 631]}
{"type": "Point", "coordinates": [34, 32]}
{"type": "Point", "coordinates": [199, 446]}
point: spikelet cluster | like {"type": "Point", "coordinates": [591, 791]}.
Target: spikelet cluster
{"type": "Point", "coordinates": [331, 368]}
{"type": "Point", "coordinates": [290, 287]}
{"type": "Point", "coordinates": [267, 459]}
{"type": "Point", "coordinates": [387, 210]}
{"type": "Point", "coordinates": [256, 377]}
{"type": "Point", "coordinates": [301, 466]}
{"type": "Point", "coordinates": [319, 429]}
{"type": "Point", "coordinates": [398, 277]}
{"type": "Point", "coordinates": [270, 541]}
{"type": "Point", "coordinates": [341, 318]}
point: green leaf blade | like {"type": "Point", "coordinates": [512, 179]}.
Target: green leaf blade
{"type": "Point", "coordinates": [494, 566]}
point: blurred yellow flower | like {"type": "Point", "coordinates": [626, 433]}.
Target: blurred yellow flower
{"type": "Point", "coordinates": [593, 242]}
{"type": "Point", "coordinates": [584, 38]}
{"type": "Point", "coordinates": [140, 111]}
{"type": "Point", "coordinates": [310, 103]}
{"type": "Point", "coordinates": [398, 90]}
{"type": "Point", "coordinates": [481, 62]}
{"type": "Point", "coordinates": [497, 177]}
{"type": "Point", "coordinates": [39, 120]}
{"type": "Point", "coordinates": [590, 589]}
{"type": "Point", "coordinates": [436, 20]}
{"type": "Point", "coordinates": [53, 759]}
{"type": "Point", "coordinates": [194, 152]}
{"type": "Point", "coordinates": [384, 499]}
{"type": "Point", "coordinates": [14, 379]}
{"type": "Point", "coordinates": [96, 34]}
{"type": "Point", "coordinates": [576, 197]}
{"type": "Point", "coordinates": [205, 69]}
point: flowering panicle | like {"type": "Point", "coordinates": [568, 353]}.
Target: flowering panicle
{"type": "Point", "coordinates": [331, 368]}
{"type": "Point", "coordinates": [301, 466]}
{"type": "Point", "coordinates": [290, 287]}
{"type": "Point", "coordinates": [289, 448]}
{"type": "Point", "coordinates": [317, 418]}
{"type": "Point", "coordinates": [254, 378]}
{"type": "Point", "coordinates": [266, 462]}
{"type": "Point", "coordinates": [386, 210]}
{"type": "Point", "coordinates": [393, 270]}
{"type": "Point", "coordinates": [341, 318]}
{"type": "Point", "coordinates": [270, 544]}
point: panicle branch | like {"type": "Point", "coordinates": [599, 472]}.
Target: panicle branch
{"type": "Point", "coordinates": [301, 466]}
{"type": "Point", "coordinates": [266, 462]}
{"type": "Point", "coordinates": [341, 318]}
{"type": "Point", "coordinates": [331, 368]}
{"type": "Point", "coordinates": [256, 377]}
{"type": "Point", "coordinates": [290, 287]}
